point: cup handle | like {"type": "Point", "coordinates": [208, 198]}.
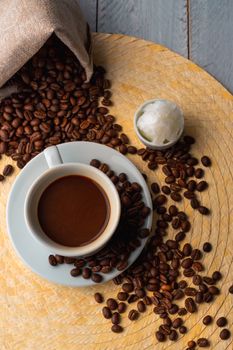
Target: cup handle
{"type": "Point", "coordinates": [52, 156]}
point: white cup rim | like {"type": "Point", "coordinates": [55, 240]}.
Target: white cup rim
{"type": "Point", "coordinates": [94, 174]}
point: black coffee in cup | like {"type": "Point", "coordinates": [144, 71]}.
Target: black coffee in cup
{"type": "Point", "coordinates": [73, 211]}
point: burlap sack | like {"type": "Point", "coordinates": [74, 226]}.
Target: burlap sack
{"type": "Point", "coordinates": [25, 25]}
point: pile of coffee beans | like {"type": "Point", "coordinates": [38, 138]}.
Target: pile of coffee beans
{"type": "Point", "coordinates": [56, 105]}
{"type": "Point", "coordinates": [126, 238]}
{"type": "Point", "coordinates": [181, 170]}
{"type": "Point", "coordinates": [168, 270]}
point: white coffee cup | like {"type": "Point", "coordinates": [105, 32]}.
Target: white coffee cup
{"type": "Point", "coordinates": [58, 169]}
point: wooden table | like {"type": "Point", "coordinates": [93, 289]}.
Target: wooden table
{"type": "Point", "coordinates": [200, 30]}
{"type": "Point", "coordinates": [36, 314]}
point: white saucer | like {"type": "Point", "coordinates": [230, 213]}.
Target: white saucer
{"type": "Point", "coordinates": [34, 255]}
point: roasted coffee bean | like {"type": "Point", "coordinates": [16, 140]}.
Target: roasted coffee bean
{"type": "Point", "coordinates": [208, 297]}
{"type": "Point", "coordinates": [191, 344]}
{"type": "Point", "coordinates": [214, 290]}
{"type": "Point", "coordinates": [206, 161]}
{"type": "Point", "coordinates": [123, 149]}
{"type": "Point", "coordinates": [124, 138]}
{"type": "Point", "coordinates": [208, 280]}
{"type": "Point", "coordinates": [231, 289]}
{"type": "Point", "coordinates": [147, 300]}
{"type": "Point", "coordinates": [116, 328]}
{"type": "Point", "coordinates": [203, 210]}
{"type": "Point", "coordinates": [128, 287]}
{"type": "Point", "coordinates": [141, 306]}
{"type": "Point", "coordinates": [132, 298]}
{"type": "Point", "coordinates": [98, 298]}
{"type": "Point", "coordinates": [185, 226]}
{"type": "Point", "coordinates": [196, 254]}
{"type": "Point", "coordinates": [52, 260]}
{"type": "Point", "coordinates": [152, 165]}
{"type": "Point", "coordinates": [160, 336]}
{"type": "Point", "coordinates": [189, 140]}
{"type": "Point", "coordinates": [155, 188]}
{"type": "Point", "coordinates": [122, 177]}
{"type": "Point", "coordinates": [59, 258]}
{"type": "Point", "coordinates": [132, 149]}
{"type": "Point", "coordinates": [182, 312]}
{"type": "Point", "coordinates": [75, 272]}
{"type": "Point", "coordinates": [112, 304]}
{"type": "Point", "coordinates": [207, 247]}
{"type": "Point", "coordinates": [166, 170]}
{"type": "Point", "coordinates": [207, 320]}
{"type": "Point", "coordinates": [203, 342]}
{"type": "Point", "coordinates": [8, 170]}
{"type": "Point", "coordinates": [187, 263]}
{"type": "Point", "coordinates": [176, 197]}
{"type": "Point", "coordinates": [190, 305]}
{"type": "Point", "coordinates": [191, 185]}
{"type": "Point", "coordinates": [216, 276]}
{"type": "Point", "coordinates": [167, 217]}
{"type": "Point", "coordinates": [175, 187]}
{"type": "Point", "coordinates": [95, 162]}
{"type": "Point", "coordinates": [199, 298]}
{"type": "Point", "coordinates": [176, 223]}
{"type": "Point", "coordinates": [133, 315]}
{"type": "Point", "coordinates": [194, 203]}
{"type": "Point", "coordinates": [199, 173]}
{"type": "Point", "coordinates": [180, 236]}
{"type": "Point", "coordinates": [107, 313]}
{"type": "Point", "coordinates": [183, 330]}
{"type": "Point", "coordinates": [192, 161]}
{"type": "Point", "coordinates": [173, 335]}
{"type": "Point", "coordinates": [197, 266]}
{"type": "Point", "coordinates": [189, 194]}
{"type": "Point", "coordinates": [69, 260]}
{"type": "Point", "coordinates": [221, 322]}
{"type": "Point", "coordinates": [182, 284]}
{"type": "Point", "coordinates": [225, 334]}
{"type": "Point", "coordinates": [165, 329]}
{"type": "Point", "coordinates": [166, 190]}
{"type": "Point", "coordinates": [182, 183]}
{"type": "Point", "coordinates": [173, 211]}
{"type": "Point", "coordinates": [86, 273]}
{"type": "Point", "coordinates": [188, 272]}
{"type": "Point", "coordinates": [177, 322]}
{"type": "Point", "coordinates": [182, 216]}
{"type": "Point", "coordinates": [187, 249]}
{"type": "Point", "coordinates": [201, 186]}
{"type": "Point", "coordinates": [203, 288]}
{"type": "Point", "coordinates": [140, 292]}
{"type": "Point", "coordinates": [167, 321]}
{"type": "Point", "coordinates": [160, 199]}
{"type": "Point", "coordinates": [122, 296]}
{"type": "Point", "coordinates": [174, 309]}
{"type": "Point", "coordinates": [2, 177]}
{"type": "Point", "coordinates": [197, 279]}
{"type": "Point", "coordinates": [115, 318]}
{"type": "Point", "coordinates": [97, 278]}
{"type": "Point", "coordinates": [189, 291]}
{"type": "Point", "coordinates": [170, 179]}
{"type": "Point", "coordinates": [121, 307]}
{"type": "Point", "coordinates": [161, 209]}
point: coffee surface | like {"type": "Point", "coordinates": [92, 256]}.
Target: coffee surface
{"type": "Point", "coordinates": [73, 210]}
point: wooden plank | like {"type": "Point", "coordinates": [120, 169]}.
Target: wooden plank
{"type": "Point", "coordinates": [89, 10]}
{"type": "Point", "coordinates": [211, 43]}
{"type": "Point", "coordinates": [162, 21]}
